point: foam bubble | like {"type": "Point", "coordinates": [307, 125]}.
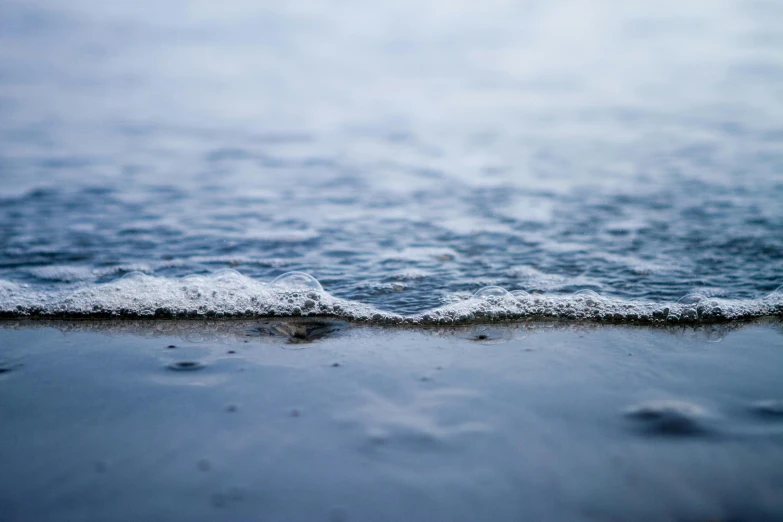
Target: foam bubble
{"type": "Point", "coordinates": [296, 281]}
{"type": "Point", "coordinates": [520, 294]}
{"type": "Point", "coordinates": [588, 297]}
{"type": "Point", "coordinates": [135, 275]}
{"type": "Point", "coordinates": [691, 299]}
{"type": "Point", "coordinates": [226, 273]}
{"type": "Point", "coordinates": [490, 292]}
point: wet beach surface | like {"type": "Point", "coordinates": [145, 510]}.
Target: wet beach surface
{"type": "Point", "coordinates": [286, 419]}
{"type": "Point", "coordinates": [543, 238]}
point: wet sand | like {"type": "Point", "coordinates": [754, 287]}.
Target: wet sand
{"type": "Point", "coordinates": [318, 420]}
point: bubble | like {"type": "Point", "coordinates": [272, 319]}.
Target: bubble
{"type": "Point", "coordinates": [490, 291]}
{"type": "Point", "coordinates": [691, 299]}
{"type": "Point", "coordinates": [226, 273]}
{"type": "Point", "coordinates": [690, 314]}
{"type": "Point", "coordinates": [661, 313]}
{"type": "Point", "coordinates": [292, 281]}
{"type": "Point", "coordinates": [520, 294]}
{"type": "Point", "coordinates": [587, 293]}
{"type": "Point", "coordinates": [134, 276]}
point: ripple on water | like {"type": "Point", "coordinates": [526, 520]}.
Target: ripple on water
{"type": "Point", "coordinates": [186, 366]}
{"type": "Point", "coordinates": [485, 334]}
{"type": "Point", "coordinates": [769, 407]}
{"type": "Point", "coordinates": [299, 331]}
{"type": "Point", "coordinates": [669, 417]}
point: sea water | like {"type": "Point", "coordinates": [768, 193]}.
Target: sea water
{"type": "Point", "coordinates": [598, 160]}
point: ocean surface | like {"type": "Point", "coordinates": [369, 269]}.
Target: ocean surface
{"type": "Point", "coordinates": [613, 160]}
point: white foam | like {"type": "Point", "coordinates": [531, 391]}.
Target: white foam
{"type": "Point", "coordinates": [227, 293]}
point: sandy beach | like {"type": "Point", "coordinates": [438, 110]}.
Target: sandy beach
{"type": "Point", "coordinates": [310, 420]}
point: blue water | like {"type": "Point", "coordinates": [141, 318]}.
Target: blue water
{"type": "Point", "coordinates": [405, 154]}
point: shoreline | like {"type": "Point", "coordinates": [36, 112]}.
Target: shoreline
{"type": "Point", "coordinates": [238, 324]}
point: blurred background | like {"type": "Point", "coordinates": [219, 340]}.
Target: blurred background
{"type": "Point", "coordinates": [405, 153]}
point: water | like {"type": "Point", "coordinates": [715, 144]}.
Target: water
{"type": "Point", "coordinates": [404, 154]}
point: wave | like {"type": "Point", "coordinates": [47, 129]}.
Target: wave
{"type": "Point", "coordinates": [227, 293]}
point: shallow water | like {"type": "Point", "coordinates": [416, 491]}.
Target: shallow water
{"type": "Point", "coordinates": [404, 154]}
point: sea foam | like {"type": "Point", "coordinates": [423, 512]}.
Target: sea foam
{"type": "Point", "coordinates": [227, 293]}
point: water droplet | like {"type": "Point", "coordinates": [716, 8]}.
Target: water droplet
{"type": "Point", "coordinates": [291, 281]}
{"type": "Point", "coordinates": [490, 291]}
{"type": "Point", "coordinates": [520, 294]}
